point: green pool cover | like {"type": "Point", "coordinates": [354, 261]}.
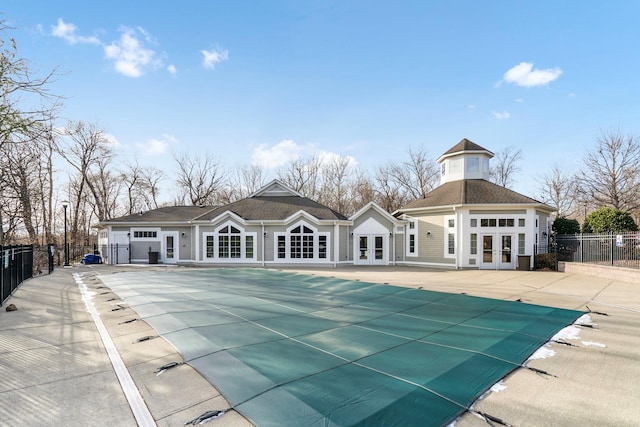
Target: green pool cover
{"type": "Point", "coordinates": [289, 349]}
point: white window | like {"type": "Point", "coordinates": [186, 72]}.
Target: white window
{"type": "Point", "coordinates": [521, 243]}
{"type": "Point", "coordinates": [229, 242]}
{"type": "Point", "coordinates": [144, 234]}
{"type": "Point", "coordinates": [450, 236]}
{"type": "Point", "coordinates": [302, 243]}
{"type": "Point", "coordinates": [473, 244]}
{"type": "Point", "coordinates": [412, 238]}
{"type": "Point", "coordinates": [473, 164]}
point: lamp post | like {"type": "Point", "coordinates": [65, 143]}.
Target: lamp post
{"type": "Point", "coordinates": [65, 204]}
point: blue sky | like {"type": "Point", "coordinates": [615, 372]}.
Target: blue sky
{"type": "Point", "coordinates": [265, 81]}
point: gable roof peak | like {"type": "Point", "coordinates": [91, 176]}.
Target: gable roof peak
{"type": "Point", "coordinates": [275, 188]}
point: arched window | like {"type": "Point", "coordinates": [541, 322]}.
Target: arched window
{"type": "Point", "coordinates": [302, 243]}
{"type": "Point", "coordinates": [229, 242]}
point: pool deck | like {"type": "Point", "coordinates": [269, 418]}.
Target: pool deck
{"type": "Point", "coordinates": [55, 369]}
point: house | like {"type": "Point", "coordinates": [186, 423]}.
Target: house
{"type": "Point", "coordinates": [466, 222]}
{"type": "Point", "coordinates": [469, 222]}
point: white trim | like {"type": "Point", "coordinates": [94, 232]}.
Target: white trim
{"type": "Point", "coordinates": [163, 247]}
{"type": "Point", "coordinates": [216, 244]}
{"type": "Point", "coordinates": [316, 245]}
{"type": "Point", "coordinates": [412, 232]}
{"type": "Point", "coordinates": [448, 231]}
{"type": "Point", "coordinates": [157, 230]}
{"type": "Point", "coordinates": [136, 402]}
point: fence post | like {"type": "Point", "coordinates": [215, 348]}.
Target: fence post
{"type": "Point", "coordinates": [50, 253]}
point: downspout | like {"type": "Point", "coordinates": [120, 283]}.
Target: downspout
{"type": "Point", "coordinates": [458, 228]}
{"type": "Point", "coordinates": [393, 244]}
{"type": "Point", "coordinates": [264, 236]}
{"type": "Point", "coordinates": [197, 242]}
{"type": "Point", "coordinates": [336, 249]}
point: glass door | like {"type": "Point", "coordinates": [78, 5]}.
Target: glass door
{"type": "Point", "coordinates": [488, 254]}
{"type": "Point", "coordinates": [364, 249]}
{"type": "Point", "coordinates": [170, 248]}
{"type": "Point", "coordinates": [506, 252]}
{"type": "Point", "coordinates": [379, 248]}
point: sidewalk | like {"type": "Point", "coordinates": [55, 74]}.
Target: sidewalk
{"type": "Point", "coordinates": [55, 371]}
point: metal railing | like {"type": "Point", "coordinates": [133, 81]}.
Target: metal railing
{"type": "Point", "coordinates": [16, 266]}
{"type": "Point", "coordinates": [618, 250]}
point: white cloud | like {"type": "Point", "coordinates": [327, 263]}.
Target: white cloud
{"type": "Point", "coordinates": [327, 158]}
{"type": "Point", "coordinates": [501, 116]}
{"type": "Point", "coordinates": [523, 74]}
{"type": "Point", "coordinates": [172, 69]}
{"type": "Point", "coordinates": [471, 107]}
{"type": "Point", "coordinates": [131, 58]}
{"type": "Point", "coordinates": [157, 147]}
{"type": "Point", "coordinates": [278, 155]}
{"type": "Point", "coordinates": [68, 32]}
{"type": "Point", "coordinates": [287, 151]}
{"type": "Point", "coordinates": [111, 140]}
{"type": "Point", "coordinates": [212, 57]}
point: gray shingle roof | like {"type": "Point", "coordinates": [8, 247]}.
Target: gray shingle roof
{"type": "Point", "coordinates": [165, 214]}
{"type": "Point", "coordinates": [471, 192]}
{"type": "Point", "coordinates": [465, 145]}
{"type": "Point", "coordinates": [271, 208]}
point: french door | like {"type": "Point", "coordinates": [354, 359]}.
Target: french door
{"type": "Point", "coordinates": [370, 249]}
{"type": "Point", "coordinates": [497, 252]}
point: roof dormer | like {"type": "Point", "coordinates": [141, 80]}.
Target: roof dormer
{"type": "Point", "coordinates": [465, 160]}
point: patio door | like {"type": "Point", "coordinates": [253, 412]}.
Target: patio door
{"type": "Point", "coordinates": [488, 252]}
{"type": "Point", "coordinates": [497, 252]}
{"type": "Point", "coordinates": [370, 250]}
{"type": "Point", "coordinates": [169, 254]}
{"type": "Point", "coordinates": [506, 252]}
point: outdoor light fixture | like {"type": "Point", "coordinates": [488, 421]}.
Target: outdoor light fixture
{"type": "Point", "coordinates": [544, 234]}
{"type": "Point", "coordinates": [428, 233]}
{"type": "Point", "coordinates": [65, 204]}
{"type": "Point", "coordinates": [265, 234]}
{"type": "Point", "coordinates": [184, 234]}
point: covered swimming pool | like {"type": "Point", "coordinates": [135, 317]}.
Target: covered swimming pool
{"type": "Point", "coordinates": [289, 349]}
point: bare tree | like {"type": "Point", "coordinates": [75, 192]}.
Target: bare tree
{"type": "Point", "coordinates": [151, 179]}
{"type": "Point", "coordinates": [611, 174]}
{"type": "Point", "coordinates": [200, 179]}
{"type": "Point", "coordinates": [248, 180]}
{"type": "Point", "coordinates": [25, 105]}
{"type": "Point", "coordinates": [417, 176]}
{"type": "Point", "coordinates": [87, 151]}
{"type": "Point", "coordinates": [389, 194]}
{"type": "Point", "coordinates": [105, 190]}
{"type": "Point", "coordinates": [303, 175]}
{"type": "Point", "coordinates": [336, 175]}
{"type": "Point", "coordinates": [363, 191]}
{"type": "Point", "coordinates": [558, 188]}
{"type": "Point", "coordinates": [504, 166]}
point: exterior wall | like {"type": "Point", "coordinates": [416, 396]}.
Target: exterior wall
{"type": "Point", "coordinates": [140, 250]}
{"type": "Point", "coordinates": [430, 235]}
{"type": "Point", "coordinates": [345, 253]}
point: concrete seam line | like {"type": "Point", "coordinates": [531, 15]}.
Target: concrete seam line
{"type": "Point", "coordinates": [131, 392]}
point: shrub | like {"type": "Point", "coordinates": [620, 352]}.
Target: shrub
{"type": "Point", "coordinates": [545, 261]}
{"type": "Point", "coordinates": [564, 225]}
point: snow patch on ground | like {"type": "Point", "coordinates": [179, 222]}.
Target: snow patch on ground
{"type": "Point", "coordinates": [498, 387]}
{"type": "Point", "coordinates": [543, 352]}
{"type": "Point", "coordinates": [593, 344]}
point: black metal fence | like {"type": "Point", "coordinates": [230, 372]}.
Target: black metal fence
{"type": "Point", "coordinates": [618, 250]}
{"type": "Point", "coordinates": [16, 266]}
